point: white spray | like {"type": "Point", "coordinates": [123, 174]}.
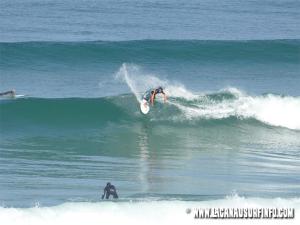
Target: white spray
{"type": "Point", "coordinates": [271, 109]}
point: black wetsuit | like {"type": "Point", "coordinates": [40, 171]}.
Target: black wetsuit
{"type": "Point", "coordinates": [110, 190]}
{"type": "Point", "coordinates": [7, 93]}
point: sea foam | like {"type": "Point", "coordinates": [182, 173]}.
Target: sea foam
{"type": "Point", "coordinates": [271, 109]}
{"type": "Point", "coordinates": [144, 212]}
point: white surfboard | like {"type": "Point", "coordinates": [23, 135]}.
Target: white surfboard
{"type": "Point", "coordinates": [9, 96]}
{"type": "Point", "coordinates": [145, 108]}
{"type": "Point", "coordinates": [19, 96]}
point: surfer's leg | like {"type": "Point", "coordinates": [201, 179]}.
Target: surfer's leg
{"type": "Point", "coordinates": [115, 195]}
{"type": "Point", "coordinates": [145, 102]}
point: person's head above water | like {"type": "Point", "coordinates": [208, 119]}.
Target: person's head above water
{"type": "Point", "coordinates": [159, 90]}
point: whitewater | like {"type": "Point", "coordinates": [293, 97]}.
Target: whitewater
{"type": "Point", "coordinates": [149, 212]}
{"type": "Point", "coordinates": [271, 109]}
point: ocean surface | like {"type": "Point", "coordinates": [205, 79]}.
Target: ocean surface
{"type": "Point", "coordinates": [229, 134]}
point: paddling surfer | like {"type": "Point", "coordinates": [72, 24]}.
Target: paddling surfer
{"type": "Point", "coordinates": [11, 93]}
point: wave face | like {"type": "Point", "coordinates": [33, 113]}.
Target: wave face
{"type": "Point", "coordinates": [60, 112]}
{"type": "Point", "coordinates": [270, 109]}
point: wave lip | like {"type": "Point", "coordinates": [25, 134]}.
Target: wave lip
{"type": "Point", "coordinates": [271, 109]}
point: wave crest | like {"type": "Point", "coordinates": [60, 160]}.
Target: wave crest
{"type": "Point", "coordinates": [275, 110]}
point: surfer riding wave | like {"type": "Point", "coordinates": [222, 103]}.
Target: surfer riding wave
{"type": "Point", "coordinates": [149, 95]}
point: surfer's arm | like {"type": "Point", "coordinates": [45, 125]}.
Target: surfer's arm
{"type": "Point", "coordinates": [152, 99]}
{"type": "Point", "coordinates": [165, 97]}
{"type": "Point", "coordinates": [103, 193]}
{"type": "Point", "coordinates": [105, 190]}
{"type": "Point", "coordinates": [113, 188]}
{"type": "Point", "coordinates": [12, 92]}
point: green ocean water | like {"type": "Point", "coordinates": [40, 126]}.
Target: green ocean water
{"type": "Point", "coordinates": [55, 150]}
